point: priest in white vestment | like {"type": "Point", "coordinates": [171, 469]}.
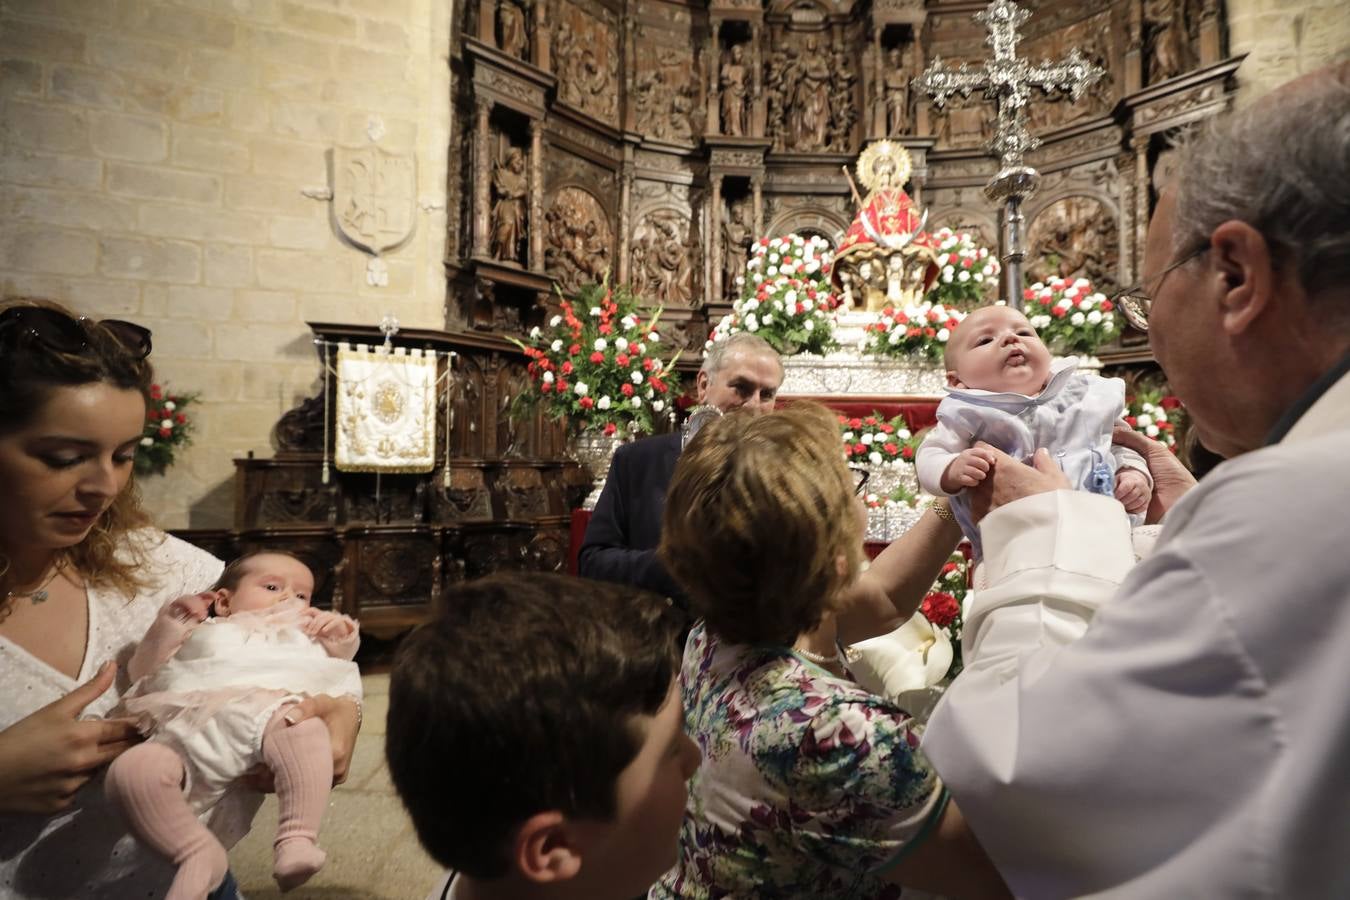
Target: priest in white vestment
{"type": "Point", "coordinates": [1186, 732]}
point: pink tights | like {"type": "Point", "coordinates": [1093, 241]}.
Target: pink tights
{"type": "Point", "coordinates": [146, 782]}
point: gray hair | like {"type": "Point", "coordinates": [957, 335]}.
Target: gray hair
{"type": "Point", "coordinates": [1282, 165]}
{"type": "Point", "coordinates": [740, 342]}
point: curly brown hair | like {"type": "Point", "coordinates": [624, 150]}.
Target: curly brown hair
{"type": "Point", "coordinates": [29, 372]}
{"type": "Point", "coordinates": [759, 513]}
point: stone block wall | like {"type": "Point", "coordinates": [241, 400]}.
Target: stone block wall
{"type": "Point", "coordinates": [152, 158]}
{"type": "Point", "coordinates": [1285, 39]}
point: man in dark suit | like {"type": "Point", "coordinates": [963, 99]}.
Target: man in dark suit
{"type": "Point", "coordinates": [740, 372]}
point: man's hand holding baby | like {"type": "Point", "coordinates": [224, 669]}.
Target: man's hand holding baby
{"type": "Point", "coordinates": [969, 468]}
{"type": "Point", "coordinates": [1133, 490]}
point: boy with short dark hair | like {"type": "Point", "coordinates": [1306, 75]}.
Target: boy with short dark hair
{"type": "Point", "coordinates": [536, 738]}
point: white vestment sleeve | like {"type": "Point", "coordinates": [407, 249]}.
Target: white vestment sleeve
{"type": "Point", "coordinates": [1051, 745]}
{"type": "Point", "coordinates": [940, 446]}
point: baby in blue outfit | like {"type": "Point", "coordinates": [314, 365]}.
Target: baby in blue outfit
{"type": "Point", "coordinates": [1003, 389]}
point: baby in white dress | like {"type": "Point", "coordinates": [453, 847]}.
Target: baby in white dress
{"type": "Point", "coordinates": [212, 693]}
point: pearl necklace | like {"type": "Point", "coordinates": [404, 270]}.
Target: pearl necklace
{"type": "Point", "coordinates": [822, 659]}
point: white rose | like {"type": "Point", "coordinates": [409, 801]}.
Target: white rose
{"type": "Point", "coordinates": [1107, 324]}
{"type": "Point", "coordinates": [1077, 318]}
{"type": "Point", "coordinates": [1081, 282]}
{"type": "Point", "coordinates": [768, 318]}
{"type": "Point", "coordinates": [628, 323]}
{"type": "Point", "coordinates": [600, 344]}
{"type": "Point", "coordinates": [1039, 321]}
{"type": "Point", "coordinates": [1065, 304]}
{"type": "Point", "coordinates": [848, 436]}
{"type": "Point", "coordinates": [772, 270]}
{"type": "Point", "coordinates": [147, 442]}
{"type": "Point", "coordinates": [894, 337]}
{"type": "Point", "coordinates": [790, 297]}
{"type": "Point", "coordinates": [750, 305]}
{"type": "Point", "coordinates": [979, 277]}
{"type": "Point", "coordinates": [948, 270]}
{"type": "Point", "coordinates": [534, 333]}
{"type": "Point", "coordinates": [636, 376]}
{"type": "Point", "coordinates": [170, 405]}
{"type": "Point", "coordinates": [943, 334]}
{"type": "Point", "coordinates": [868, 438]}
{"type": "Point", "coordinates": [946, 277]}
{"type": "Point", "coordinates": [963, 276]}
{"type": "Point", "coordinates": [621, 344]}
{"type": "Point", "coordinates": [548, 378]}
{"type": "Point", "coordinates": [595, 312]}
{"type": "Point", "coordinates": [581, 388]}
{"type": "Point", "coordinates": [555, 346]}
{"type": "Point", "coordinates": [752, 322]}
{"type": "Point", "coordinates": [1152, 431]}
{"type": "Point", "coordinates": [602, 403]}
{"type": "Point", "coordinates": [1085, 304]}
{"type": "Point", "coordinates": [774, 257]}
{"type": "Point", "coordinates": [1094, 317]}
{"type": "Point", "coordinates": [944, 258]}
{"type": "Point", "coordinates": [903, 434]}
{"type": "Point", "coordinates": [554, 322]}
{"type": "Point", "coordinates": [809, 325]}
{"type": "Point", "coordinates": [874, 457]}
{"type": "Point", "coordinates": [1144, 420]}
{"type": "Point", "coordinates": [654, 338]}
{"type": "Point", "coordinates": [635, 402]}
{"type": "Point", "coordinates": [658, 405]}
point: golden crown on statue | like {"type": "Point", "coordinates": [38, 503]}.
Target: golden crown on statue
{"type": "Point", "coordinates": [885, 257]}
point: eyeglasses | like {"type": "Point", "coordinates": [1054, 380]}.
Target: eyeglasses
{"type": "Point", "coordinates": [860, 477]}
{"type": "Point", "coordinates": [1136, 302]}
{"type": "Point", "coordinates": [57, 331]}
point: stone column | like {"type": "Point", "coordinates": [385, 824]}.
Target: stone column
{"type": "Point", "coordinates": [879, 123]}
{"type": "Point", "coordinates": [482, 177]}
{"type": "Point", "coordinates": [487, 22]}
{"type": "Point", "coordinates": [625, 218]}
{"type": "Point", "coordinates": [1141, 181]}
{"type": "Point", "coordinates": [714, 125]}
{"type": "Point", "coordinates": [543, 38]}
{"type": "Point", "coordinates": [1125, 164]}
{"type": "Point", "coordinates": [757, 201]}
{"type": "Point", "coordinates": [1211, 38]}
{"type": "Point", "coordinates": [535, 225]}
{"type": "Point", "coordinates": [628, 51]}
{"type": "Point", "coordinates": [1134, 47]}
{"type": "Point", "coordinates": [759, 114]}
{"type": "Point", "coordinates": [715, 238]}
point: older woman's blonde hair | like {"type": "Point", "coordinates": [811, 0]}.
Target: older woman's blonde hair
{"type": "Point", "coordinates": [29, 374]}
{"type": "Point", "coordinates": [759, 516]}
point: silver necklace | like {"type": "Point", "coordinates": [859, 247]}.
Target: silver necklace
{"type": "Point", "coordinates": [40, 593]}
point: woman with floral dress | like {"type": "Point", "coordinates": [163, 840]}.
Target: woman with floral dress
{"type": "Point", "coordinates": [810, 786]}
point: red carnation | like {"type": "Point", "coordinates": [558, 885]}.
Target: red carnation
{"type": "Point", "coordinates": [156, 392]}
{"type": "Point", "coordinates": [597, 357]}
{"type": "Point", "coordinates": [1059, 312]}
{"type": "Point", "coordinates": [567, 368]}
{"type": "Point", "coordinates": [610, 429]}
{"type": "Point", "coordinates": [607, 329]}
{"type": "Point", "coordinates": [1131, 421]}
{"type": "Point", "coordinates": [887, 428]}
{"type": "Point", "coordinates": [855, 423]}
{"type": "Point", "coordinates": [966, 263]}
{"type": "Point", "coordinates": [907, 452]}
{"type": "Point", "coordinates": [621, 359]}
{"type": "Point", "coordinates": [871, 420]}
{"type": "Point", "coordinates": [153, 415]}
{"type": "Point", "coordinates": [562, 386]}
{"type": "Point", "coordinates": [165, 432]}
{"type": "Point", "coordinates": [1169, 402]}
{"type": "Point", "coordinates": [949, 568]}
{"type": "Point", "coordinates": [586, 402]}
{"type": "Point", "coordinates": [627, 389]}
{"type": "Point", "coordinates": [648, 364]}
{"type": "Point", "coordinates": [1028, 294]}
{"type": "Point", "coordinates": [574, 350]}
{"type": "Point", "coordinates": [180, 419]}
{"type": "Point", "coordinates": [912, 332]}
{"type": "Point", "coordinates": [1107, 306]}
{"type": "Point", "coordinates": [930, 332]}
{"type": "Point", "coordinates": [940, 609]}
{"type": "Point", "coordinates": [1046, 300]}
{"type": "Point", "coordinates": [859, 448]}
{"type": "Point", "coordinates": [890, 448]}
{"type": "Point", "coordinates": [657, 385]}
{"type": "Point", "coordinates": [843, 420]}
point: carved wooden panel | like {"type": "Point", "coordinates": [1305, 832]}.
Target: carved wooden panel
{"type": "Point", "coordinates": [665, 94]}
{"type": "Point", "coordinates": [585, 55]}
{"type": "Point", "coordinates": [466, 497]}
{"type": "Point", "coordinates": [578, 239]}
{"type": "Point", "coordinates": [1076, 237]}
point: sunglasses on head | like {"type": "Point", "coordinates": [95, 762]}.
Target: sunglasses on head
{"type": "Point", "coordinates": [57, 331]}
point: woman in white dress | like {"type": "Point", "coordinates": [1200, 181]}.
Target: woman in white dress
{"type": "Point", "coordinates": [82, 575]}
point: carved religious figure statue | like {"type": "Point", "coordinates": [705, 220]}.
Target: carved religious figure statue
{"type": "Point", "coordinates": [897, 91]}
{"type": "Point", "coordinates": [736, 239]}
{"type": "Point", "coordinates": [843, 102]}
{"type": "Point", "coordinates": [809, 107]}
{"type": "Point", "coordinates": [884, 256]}
{"type": "Point", "coordinates": [734, 92]}
{"type": "Point", "coordinates": [778, 86]}
{"type": "Point", "coordinates": [510, 184]}
{"type": "Point", "coordinates": [511, 24]}
{"type": "Point", "coordinates": [1165, 23]}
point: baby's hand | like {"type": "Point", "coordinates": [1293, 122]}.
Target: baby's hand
{"type": "Point", "coordinates": [970, 467]}
{"type": "Point", "coordinates": [192, 607]}
{"type": "Point", "coordinates": [1132, 490]}
{"type": "Point", "coordinates": [328, 625]}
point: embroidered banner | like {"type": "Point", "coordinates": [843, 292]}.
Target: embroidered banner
{"type": "Point", "coordinates": [386, 410]}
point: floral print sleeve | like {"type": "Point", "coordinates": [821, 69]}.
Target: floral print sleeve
{"type": "Point", "coordinates": [861, 791]}
{"type": "Point", "coordinates": [809, 786]}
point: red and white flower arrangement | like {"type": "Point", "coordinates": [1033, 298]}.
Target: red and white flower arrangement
{"type": "Point", "coordinates": [168, 429]}
{"type": "Point", "coordinates": [597, 363]}
{"type": "Point", "coordinates": [917, 332]}
{"type": "Point", "coordinates": [942, 607]}
{"type": "Point", "coordinates": [786, 296]}
{"type": "Point", "coordinates": [870, 440]}
{"type": "Point", "coordinates": [1070, 316]}
{"type": "Point", "coordinates": [1155, 415]}
{"type": "Point", "coordinates": [967, 272]}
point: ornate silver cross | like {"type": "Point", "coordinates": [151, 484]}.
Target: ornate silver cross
{"type": "Point", "coordinates": [1008, 81]}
